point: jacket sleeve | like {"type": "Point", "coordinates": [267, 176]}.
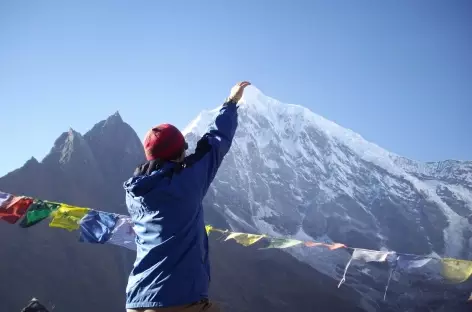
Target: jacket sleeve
{"type": "Point", "coordinates": [214, 145]}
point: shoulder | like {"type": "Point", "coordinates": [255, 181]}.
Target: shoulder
{"type": "Point", "coordinates": [203, 148]}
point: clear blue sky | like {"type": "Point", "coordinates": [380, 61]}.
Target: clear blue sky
{"type": "Point", "coordinates": [397, 72]}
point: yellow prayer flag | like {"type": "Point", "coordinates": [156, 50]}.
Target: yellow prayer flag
{"type": "Point", "coordinates": [244, 239]}
{"type": "Point", "coordinates": [68, 217]}
{"type": "Point", "coordinates": [208, 229]}
{"type": "Point", "coordinates": [455, 270]}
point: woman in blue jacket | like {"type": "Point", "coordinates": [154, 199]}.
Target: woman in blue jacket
{"type": "Point", "coordinates": [164, 199]}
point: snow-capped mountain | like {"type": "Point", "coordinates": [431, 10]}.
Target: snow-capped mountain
{"type": "Point", "coordinates": [293, 173]}
{"type": "Point", "coordinates": [289, 173]}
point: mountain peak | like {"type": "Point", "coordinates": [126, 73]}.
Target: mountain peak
{"type": "Point", "coordinates": [115, 118]}
{"type": "Point", "coordinates": [32, 160]}
{"type": "Point", "coordinates": [113, 136]}
{"type": "Point", "coordinates": [253, 99]}
{"type": "Point", "coordinates": [31, 163]}
{"type": "Point", "coordinates": [110, 125]}
{"type": "Point", "coordinates": [69, 145]}
{"type": "Point", "coordinates": [279, 116]}
{"type": "Point", "coordinates": [252, 92]}
{"type": "Point", "coordinates": [73, 134]}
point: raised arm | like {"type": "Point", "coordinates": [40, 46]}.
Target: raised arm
{"type": "Point", "coordinates": [215, 144]}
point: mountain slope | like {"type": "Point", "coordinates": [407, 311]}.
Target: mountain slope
{"type": "Point", "coordinates": [291, 172]}
{"type": "Point", "coordinates": [50, 263]}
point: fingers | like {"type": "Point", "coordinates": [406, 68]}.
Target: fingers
{"type": "Point", "coordinates": [244, 84]}
{"type": "Point", "coordinates": [238, 90]}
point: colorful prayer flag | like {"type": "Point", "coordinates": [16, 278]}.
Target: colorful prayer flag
{"type": "Point", "coordinates": [68, 217]}
{"type": "Point", "coordinates": [244, 239]}
{"type": "Point", "coordinates": [14, 208]}
{"type": "Point", "coordinates": [282, 242]}
{"type": "Point", "coordinates": [96, 227]}
{"type": "Point", "coordinates": [38, 211]}
{"type": "Point", "coordinates": [455, 270]}
{"type": "Point", "coordinates": [208, 229]}
{"type": "Point", "coordinates": [370, 255]}
{"type": "Point", "coordinates": [123, 234]}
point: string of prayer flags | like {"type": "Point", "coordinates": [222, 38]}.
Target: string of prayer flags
{"type": "Point", "coordinates": [100, 227]}
{"type": "Point", "coordinates": [455, 270]}
{"type": "Point", "coordinates": [68, 217]}
{"type": "Point", "coordinates": [283, 242]}
{"type": "Point", "coordinates": [13, 208]}
{"type": "Point", "coordinates": [96, 227]}
{"type": "Point", "coordinates": [365, 255]}
{"type": "Point", "coordinates": [37, 212]}
{"type": "Point", "coordinates": [244, 239]}
{"type": "Point", "coordinates": [123, 234]}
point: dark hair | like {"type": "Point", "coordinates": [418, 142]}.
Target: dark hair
{"type": "Point", "coordinates": [179, 153]}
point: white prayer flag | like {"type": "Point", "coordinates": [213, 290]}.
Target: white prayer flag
{"type": "Point", "coordinates": [4, 197]}
{"type": "Point", "coordinates": [123, 234]}
{"type": "Point", "coordinates": [370, 255]}
{"type": "Point", "coordinates": [365, 255]}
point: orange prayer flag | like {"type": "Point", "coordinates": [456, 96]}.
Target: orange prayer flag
{"type": "Point", "coordinates": [336, 246]}
{"type": "Point", "coordinates": [330, 246]}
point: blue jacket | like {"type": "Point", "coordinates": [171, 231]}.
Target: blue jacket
{"type": "Point", "coordinates": [172, 264]}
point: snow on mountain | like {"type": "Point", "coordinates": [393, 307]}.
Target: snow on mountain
{"type": "Point", "coordinates": [304, 136]}
{"type": "Point", "coordinates": [294, 173]}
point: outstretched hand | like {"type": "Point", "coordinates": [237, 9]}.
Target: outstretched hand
{"type": "Point", "coordinates": [237, 91]}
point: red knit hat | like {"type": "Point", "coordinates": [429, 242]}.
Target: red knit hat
{"type": "Point", "coordinates": [164, 142]}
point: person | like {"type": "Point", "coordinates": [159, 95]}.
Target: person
{"type": "Point", "coordinates": [164, 199]}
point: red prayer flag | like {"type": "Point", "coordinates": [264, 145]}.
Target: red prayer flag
{"type": "Point", "coordinates": [15, 208]}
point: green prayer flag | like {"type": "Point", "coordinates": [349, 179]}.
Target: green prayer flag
{"type": "Point", "coordinates": [38, 211]}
